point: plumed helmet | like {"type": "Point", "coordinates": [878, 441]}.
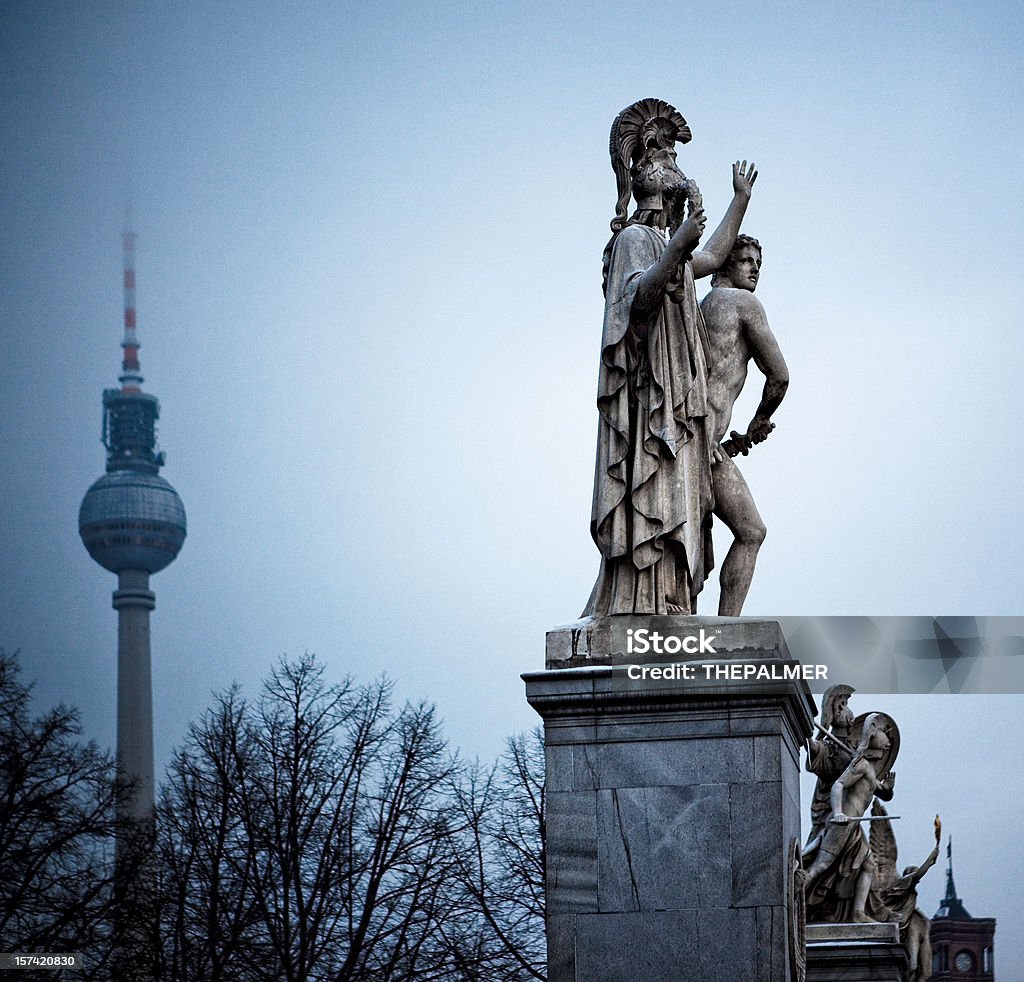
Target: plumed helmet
{"type": "Point", "coordinates": [645, 124]}
{"type": "Point", "coordinates": [828, 702]}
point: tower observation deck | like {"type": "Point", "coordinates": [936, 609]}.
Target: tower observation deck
{"type": "Point", "coordinates": [133, 524]}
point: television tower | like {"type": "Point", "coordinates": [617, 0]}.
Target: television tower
{"type": "Point", "coordinates": [133, 524]}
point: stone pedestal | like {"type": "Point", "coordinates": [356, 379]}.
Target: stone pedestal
{"type": "Point", "coordinates": [672, 807]}
{"type": "Point", "coordinates": [855, 953]}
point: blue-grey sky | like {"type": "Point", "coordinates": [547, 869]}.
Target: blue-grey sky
{"type": "Point", "coordinates": [369, 302]}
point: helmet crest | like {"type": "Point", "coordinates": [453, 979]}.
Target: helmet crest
{"type": "Point", "coordinates": [647, 124]}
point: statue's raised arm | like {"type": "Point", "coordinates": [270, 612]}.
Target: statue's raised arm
{"type": "Point", "coordinates": [718, 247]}
{"type": "Point", "coordinates": [651, 517]}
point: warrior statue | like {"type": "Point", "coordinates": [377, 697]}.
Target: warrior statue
{"type": "Point", "coordinates": [829, 757]}
{"type": "Point", "coordinates": [850, 874]}
{"type": "Point", "coordinates": [839, 862]}
{"type": "Point", "coordinates": [652, 486]}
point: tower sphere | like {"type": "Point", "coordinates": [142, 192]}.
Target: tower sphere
{"type": "Point", "coordinates": [132, 520]}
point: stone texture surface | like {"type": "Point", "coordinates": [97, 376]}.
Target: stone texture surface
{"type": "Point", "coordinates": [669, 816]}
{"type": "Point", "coordinates": [772, 959]}
{"type": "Point", "coordinates": [855, 953]}
{"type": "Point", "coordinates": [667, 944]}
{"type": "Point", "coordinates": [663, 848]}
{"type": "Point", "coordinates": [853, 932]}
{"type": "Point", "coordinates": [755, 830]}
{"type": "Point", "coordinates": [572, 867]}
{"type": "Point", "coordinates": [561, 930]}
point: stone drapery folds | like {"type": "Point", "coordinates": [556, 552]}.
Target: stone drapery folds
{"type": "Point", "coordinates": [652, 486]}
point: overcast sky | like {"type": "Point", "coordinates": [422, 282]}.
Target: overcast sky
{"type": "Point", "coordinates": [369, 302]}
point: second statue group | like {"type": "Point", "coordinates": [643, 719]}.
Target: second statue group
{"type": "Point", "coordinates": [671, 371]}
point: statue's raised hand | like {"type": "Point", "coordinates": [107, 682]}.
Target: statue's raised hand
{"type": "Point", "coordinates": [743, 177]}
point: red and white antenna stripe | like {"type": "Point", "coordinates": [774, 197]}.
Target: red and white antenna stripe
{"type": "Point", "coordinates": [131, 376]}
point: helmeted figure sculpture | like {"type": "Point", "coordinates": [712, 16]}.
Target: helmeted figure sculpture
{"type": "Point", "coordinates": [652, 486]}
{"type": "Point", "coordinates": [828, 757]}
{"type": "Point", "coordinates": [840, 865]}
{"type": "Point", "coordinates": [850, 873]}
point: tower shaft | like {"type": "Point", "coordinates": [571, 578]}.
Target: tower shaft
{"type": "Point", "coordinates": [133, 600]}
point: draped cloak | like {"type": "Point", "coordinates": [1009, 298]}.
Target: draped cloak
{"type": "Point", "coordinates": [651, 516]}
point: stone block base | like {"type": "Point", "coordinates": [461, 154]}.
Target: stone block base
{"type": "Point", "coordinates": [855, 953]}
{"type": "Point", "coordinates": [672, 811]}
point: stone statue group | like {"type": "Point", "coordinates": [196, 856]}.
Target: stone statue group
{"type": "Point", "coordinates": [671, 371]}
{"type": "Point", "coordinates": [850, 875]}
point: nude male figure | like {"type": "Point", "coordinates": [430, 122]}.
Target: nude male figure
{"type": "Point", "coordinates": [738, 331]}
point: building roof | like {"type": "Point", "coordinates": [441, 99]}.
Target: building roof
{"type": "Point", "coordinates": [951, 906]}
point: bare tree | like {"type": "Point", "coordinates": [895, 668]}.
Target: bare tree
{"type": "Point", "coordinates": [307, 835]}
{"type": "Point", "coordinates": [58, 826]}
{"type": "Point", "coordinates": [206, 910]}
{"type": "Point", "coordinates": [501, 866]}
{"type": "Point", "coordinates": [317, 832]}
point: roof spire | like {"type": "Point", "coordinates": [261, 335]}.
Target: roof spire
{"type": "Point", "coordinates": [950, 885]}
{"type": "Point", "coordinates": [951, 906]}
